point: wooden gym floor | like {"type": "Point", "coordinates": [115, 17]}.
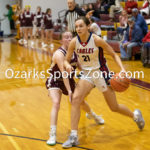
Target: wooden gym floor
{"type": "Point", "coordinates": [25, 107]}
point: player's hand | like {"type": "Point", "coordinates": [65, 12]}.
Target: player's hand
{"type": "Point", "coordinates": [69, 68]}
{"type": "Point", "coordinates": [70, 95]}
{"type": "Point", "coordinates": [123, 73]}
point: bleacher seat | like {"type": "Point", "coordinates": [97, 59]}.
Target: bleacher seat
{"type": "Point", "coordinates": [106, 25]}
{"type": "Point", "coordinates": [115, 45]}
{"type": "Point", "coordinates": [104, 17]}
{"type": "Point", "coordinates": [103, 33]}
{"type": "Point", "coordinates": [111, 34]}
{"type": "Point", "coordinates": [56, 35]}
{"type": "Point", "coordinates": [149, 27]}
{"type": "Point", "coordinates": [122, 4]}
{"type": "Point", "coordinates": [136, 50]}
{"type": "Point", "coordinates": [117, 17]}
{"type": "Point", "coordinates": [140, 3]}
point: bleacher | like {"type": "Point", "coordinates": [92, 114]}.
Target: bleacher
{"type": "Point", "coordinates": [108, 29]}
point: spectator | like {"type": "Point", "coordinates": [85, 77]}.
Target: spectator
{"type": "Point", "coordinates": [94, 27]}
{"type": "Point", "coordinates": [107, 4]}
{"type": "Point", "coordinates": [10, 18]}
{"type": "Point", "coordinates": [95, 13]}
{"type": "Point", "coordinates": [129, 5]}
{"type": "Point", "coordinates": [133, 37]}
{"type": "Point", "coordinates": [146, 50]}
{"type": "Point", "coordinates": [123, 18]}
{"type": "Point", "coordinates": [113, 9]}
{"type": "Point", "coordinates": [85, 8]}
{"type": "Point", "coordinates": [98, 4]}
{"type": "Point", "coordinates": [140, 21]}
{"type": "Point", "coordinates": [99, 7]}
{"type": "Point", "coordinates": [145, 9]}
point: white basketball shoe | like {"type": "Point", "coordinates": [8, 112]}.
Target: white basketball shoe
{"type": "Point", "coordinates": [52, 138]}
{"type": "Point", "coordinates": [98, 119]}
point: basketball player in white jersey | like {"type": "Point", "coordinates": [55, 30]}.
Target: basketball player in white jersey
{"type": "Point", "coordinates": [89, 48]}
{"type": "Point", "coordinates": [63, 86]}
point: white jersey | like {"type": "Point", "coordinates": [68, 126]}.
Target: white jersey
{"type": "Point", "coordinates": [95, 29]}
{"type": "Point", "coordinates": [90, 56]}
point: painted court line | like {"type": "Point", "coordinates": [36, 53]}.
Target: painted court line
{"type": "Point", "coordinates": [11, 135]}
{"type": "Point", "coordinates": [13, 142]}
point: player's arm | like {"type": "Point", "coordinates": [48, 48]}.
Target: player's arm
{"type": "Point", "coordinates": [58, 59]}
{"type": "Point", "coordinates": [70, 51]}
{"type": "Point", "coordinates": [105, 46]}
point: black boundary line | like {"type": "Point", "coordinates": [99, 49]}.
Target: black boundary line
{"type": "Point", "coordinates": [17, 136]}
{"type": "Point", "coordinates": [139, 86]}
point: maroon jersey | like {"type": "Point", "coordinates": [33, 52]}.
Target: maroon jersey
{"type": "Point", "coordinates": [29, 19]}
{"type": "Point", "coordinates": [22, 20]}
{"type": "Point", "coordinates": [58, 83]}
{"type": "Point", "coordinates": [39, 18]}
{"type": "Point", "coordinates": [48, 21]}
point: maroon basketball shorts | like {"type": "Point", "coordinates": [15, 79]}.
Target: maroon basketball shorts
{"type": "Point", "coordinates": [59, 84]}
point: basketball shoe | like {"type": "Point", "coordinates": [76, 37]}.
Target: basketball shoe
{"type": "Point", "coordinates": [98, 119]}
{"type": "Point", "coordinates": [52, 139]}
{"type": "Point", "coordinates": [72, 141]}
{"type": "Point", "coordinates": [138, 118]}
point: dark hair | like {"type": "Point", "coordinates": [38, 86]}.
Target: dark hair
{"type": "Point", "coordinates": [91, 5]}
{"type": "Point", "coordinates": [92, 20]}
{"type": "Point", "coordinates": [47, 10]}
{"type": "Point", "coordinates": [39, 7]}
{"type": "Point", "coordinates": [8, 6]}
{"type": "Point", "coordinates": [85, 20]}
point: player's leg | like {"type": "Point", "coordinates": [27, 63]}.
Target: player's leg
{"type": "Point", "coordinates": [78, 96]}
{"type": "Point", "coordinates": [55, 95]}
{"type": "Point", "coordinates": [111, 100]}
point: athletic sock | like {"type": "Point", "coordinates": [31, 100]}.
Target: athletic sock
{"type": "Point", "coordinates": [74, 132]}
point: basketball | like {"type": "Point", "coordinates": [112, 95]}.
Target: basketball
{"type": "Point", "coordinates": [119, 84]}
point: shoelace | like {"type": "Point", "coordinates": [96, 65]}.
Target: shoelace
{"type": "Point", "coordinates": [72, 138]}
